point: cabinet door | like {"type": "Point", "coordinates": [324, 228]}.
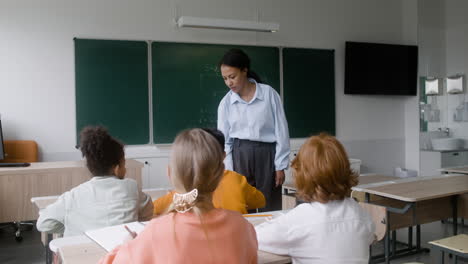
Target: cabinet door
{"type": "Point", "coordinates": [453, 159]}
{"type": "Point", "coordinates": [145, 173]}
{"type": "Point", "coordinates": [154, 174]}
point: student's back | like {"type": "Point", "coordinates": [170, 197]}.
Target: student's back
{"type": "Point", "coordinates": [330, 227]}
{"type": "Point", "coordinates": [179, 238]}
{"type": "Point", "coordinates": [333, 232]}
{"type": "Point", "coordinates": [106, 199]}
{"type": "Point", "coordinates": [97, 203]}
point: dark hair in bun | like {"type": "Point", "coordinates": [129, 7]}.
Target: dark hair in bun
{"type": "Point", "coordinates": [101, 150]}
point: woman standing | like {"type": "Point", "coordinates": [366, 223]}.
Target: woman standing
{"type": "Point", "coordinates": [252, 118]}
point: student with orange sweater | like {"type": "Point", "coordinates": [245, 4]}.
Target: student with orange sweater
{"type": "Point", "coordinates": [193, 231]}
{"type": "Point", "coordinates": [233, 192]}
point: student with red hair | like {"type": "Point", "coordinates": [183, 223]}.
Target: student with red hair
{"type": "Point", "coordinates": [329, 227]}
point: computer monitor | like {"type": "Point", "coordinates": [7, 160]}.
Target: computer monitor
{"type": "Point", "coordinates": [2, 153]}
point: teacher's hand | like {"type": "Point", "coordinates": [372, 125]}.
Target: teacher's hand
{"type": "Point", "coordinates": [279, 178]}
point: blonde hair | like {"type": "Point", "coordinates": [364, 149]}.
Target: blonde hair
{"type": "Point", "coordinates": [196, 163]}
{"type": "Point", "coordinates": [322, 171]}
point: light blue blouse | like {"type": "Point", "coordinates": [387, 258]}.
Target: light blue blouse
{"type": "Point", "coordinates": [262, 119]}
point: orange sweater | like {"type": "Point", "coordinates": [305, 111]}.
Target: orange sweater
{"type": "Point", "coordinates": [224, 237]}
{"type": "Point", "coordinates": [233, 193]}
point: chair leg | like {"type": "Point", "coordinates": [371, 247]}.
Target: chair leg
{"type": "Point", "coordinates": [442, 257]}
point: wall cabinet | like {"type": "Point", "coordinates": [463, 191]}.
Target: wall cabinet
{"type": "Point", "coordinates": [434, 160]}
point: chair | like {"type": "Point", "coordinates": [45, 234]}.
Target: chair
{"type": "Point", "coordinates": [379, 218]}
{"type": "Point", "coordinates": [456, 245]}
{"type": "Point", "coordinates": [20, 151]}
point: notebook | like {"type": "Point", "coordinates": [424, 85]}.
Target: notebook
{"type": "Point", "coordinates": [113, 236]}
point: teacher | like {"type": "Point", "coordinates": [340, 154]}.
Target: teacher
{"type": "Point", "coordinates": [252, 118]}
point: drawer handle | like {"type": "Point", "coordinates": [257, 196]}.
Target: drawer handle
{"type": "Point", "coordinates": [455, 154]}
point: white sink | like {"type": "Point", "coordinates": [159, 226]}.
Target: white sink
{"type": "Point", "coordinates": [447, 143]}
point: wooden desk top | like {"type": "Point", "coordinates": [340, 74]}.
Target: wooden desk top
{"type": "Point", "coordinates": [462, 170]}
{"type": "Point", "coordinates": [43, 202]}
{"type": "Point", "coordinates": [375, 178]}
{"type": "Point", "coordinates": [92, 252]}
{"type": "Point", "coordinates": [457, 243]}
{"type": "Point", "coordinates": [419, 188]}
{"type": "Point", "coordinates": [368, 179]}
{"type": "Point", "coordinates": [57, 165]}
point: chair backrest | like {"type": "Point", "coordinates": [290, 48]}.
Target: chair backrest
{"type": "Point", "coordinates": [20, 151]}
{"type": "Point", "coordinates": [379, 217]}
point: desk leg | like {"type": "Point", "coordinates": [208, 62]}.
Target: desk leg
{"type": "Point", "coordinates": [387, 240]}
{"type": "Point", "coordinates": [455, 216]}
{"type": "Point", "coordinates": [394, 242]}
{"type": "Point", "coordinates": [48, 253]}
{"type": "Point", "coordinates": [410, 237]}
{"type": "Point", "coordinates": [418, 237]}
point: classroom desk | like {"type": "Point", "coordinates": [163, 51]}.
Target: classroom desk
{"type": "Point", "coordinates": [460, 169]}
{"type": "Point", "coordinates": [19, 184]}
{"type": "Point", "coordinates": [289, 189]}
{"type": "Point", "coordinates": [91, 252]}
{"type": "Point", "coordinates": [415, 201]}
{"type": "Point", "coordinates": [43, 202]}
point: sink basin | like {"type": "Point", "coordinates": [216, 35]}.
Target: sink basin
{"type": "Point", "coordinates": [447, 143]}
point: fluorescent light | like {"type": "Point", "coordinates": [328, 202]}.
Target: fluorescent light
{"type": "Point", "coordinates": [217, 23]}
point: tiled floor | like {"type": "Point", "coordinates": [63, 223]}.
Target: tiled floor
{"type": "Point", "coordinates": [30, 250]}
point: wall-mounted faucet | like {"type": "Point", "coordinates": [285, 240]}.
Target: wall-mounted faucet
{"type": "Point", "coordinates": [446, 130]}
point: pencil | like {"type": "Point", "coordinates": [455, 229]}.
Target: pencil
{"type": "Point", "coordinates": [259, 215]}
{"type": "Point", "coordinates": [132, 234]}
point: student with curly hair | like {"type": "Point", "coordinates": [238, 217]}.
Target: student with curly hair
{"type": "Point", "coordinates": [106, 199]}
{"type": "Point", "coordinates": [330, 227]}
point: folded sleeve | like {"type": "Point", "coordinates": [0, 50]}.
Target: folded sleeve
{"type": "Point", "coordinates": [52, 218]}
{"type": "Point", "coordinates": [253, 197]}
{"type": "Point", "coordinates": [273, 236]}
{"type": "Point", "coordinates": [281, 134]}
{"type": "Point", "coordinates": [145, 212]}
{"type": "Point", "coordinates": [223, 126]}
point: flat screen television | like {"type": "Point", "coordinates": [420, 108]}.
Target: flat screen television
{"type": "Point", "coordinates": [384, 69]}
{"type": "Point", "coordinates": [2, 153]}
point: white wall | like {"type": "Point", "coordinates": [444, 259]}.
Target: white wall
{"type": "Point", "coordinates": [456, 58]}
{"type": "Point", "coordinates": [37, 60]}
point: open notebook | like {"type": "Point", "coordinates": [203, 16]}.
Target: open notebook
{"type": "Point", "coordinates": [113, 236]}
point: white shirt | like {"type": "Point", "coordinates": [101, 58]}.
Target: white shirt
{"type": "Point", "coordinates": [262, 119]}
{"type": "Point", "coordinates": [335, 232]}
{"type": "Point", "coordinates": [97, 203]}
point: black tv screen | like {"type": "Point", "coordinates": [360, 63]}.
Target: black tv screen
{"type": "Point", "coordinates": [386, 69]}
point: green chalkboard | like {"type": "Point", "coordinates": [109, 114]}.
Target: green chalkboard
{"type": "Point", "coordinates": [112, 87]}
{"type": "Point", "coordinates": [187, 84]}
{"type": "Point", "coordinates": [309, 91]}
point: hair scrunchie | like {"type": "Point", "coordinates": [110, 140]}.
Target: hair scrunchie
{"type": "Point", "coordinates": [184, 202]}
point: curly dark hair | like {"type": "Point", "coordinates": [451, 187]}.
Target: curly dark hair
{"type": "Point", "coordinates": [101, 150]}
